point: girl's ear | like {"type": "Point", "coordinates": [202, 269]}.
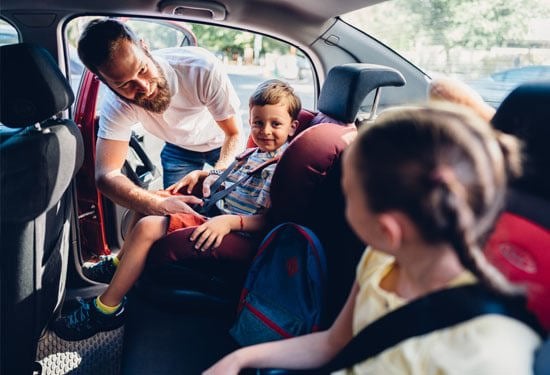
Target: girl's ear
{"type": "Point", "coordinates": [391, 231]}
{"type": "Point", "coordinates": [293, 126]}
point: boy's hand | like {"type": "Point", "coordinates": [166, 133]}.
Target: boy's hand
{"type": "Point", "coordinates": [189, 180]}
{"type": "Point", "coordinates": [211, 233]}
{"type": "Point", "coordinates": [208, 181]}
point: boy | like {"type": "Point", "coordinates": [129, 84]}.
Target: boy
{"type": "Point", "coordinates": [274, 108]}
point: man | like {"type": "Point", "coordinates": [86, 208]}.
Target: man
{"type": "Point", "coordinates": [181, 95]}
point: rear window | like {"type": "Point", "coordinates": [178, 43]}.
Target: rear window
{"type": "Point", "coordinates": [493, 45]}
{"type": "Point", "coordinates": [8, 33]}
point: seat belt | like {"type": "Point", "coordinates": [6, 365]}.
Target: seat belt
{"type": "Point", "coordinates": [435, 311]}
{"type": "Point", "coordinates": [210, 202]}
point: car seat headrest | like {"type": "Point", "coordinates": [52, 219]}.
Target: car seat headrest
{"type": "Point", "coordinates": [303, 167]}
{"type": "Point", "coordinates": [33, 88]}
{"type": "Point", "coordinates": [347, 85]}
{"type": "Point", "coordinates": [525, 113]}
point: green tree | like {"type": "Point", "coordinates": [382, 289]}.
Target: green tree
{"type": "Point", "coordinates": [231, 41]}
{"type": "Point", "coordinates": [220, 39]}
{"type": "Point", "coordinates": [470, 23]}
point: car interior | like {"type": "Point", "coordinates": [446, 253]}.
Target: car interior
{"type": "Point", "coordinates": [37, 208]}
{"type": "Point", "coordinates": [53, 217]}
{"type": "Point", "coordinates": [520, 238]}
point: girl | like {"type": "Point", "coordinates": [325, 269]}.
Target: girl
{"type": "Point", "coordinates": [423, 188]}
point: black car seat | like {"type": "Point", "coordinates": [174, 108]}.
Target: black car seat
{"type": "Point", "coordinates": [305, 189]}
{"type": "Point", "coordinates": [39, 156]}
{"type": "Point", "coordinates": [520, 244]}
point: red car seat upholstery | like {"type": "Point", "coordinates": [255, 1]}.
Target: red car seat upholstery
{"type": "Point", "coordinates": [520, 245]}
{"type": "Point", "coordinates": [305, 186]}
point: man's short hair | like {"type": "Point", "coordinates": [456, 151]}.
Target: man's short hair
{"type": "Point", "coordinates": [274, 91]}
{"type": "Point", "coordinates": [99, 39]}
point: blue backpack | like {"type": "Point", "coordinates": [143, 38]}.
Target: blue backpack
{"type": "Point", "coordinates": [284, 292]}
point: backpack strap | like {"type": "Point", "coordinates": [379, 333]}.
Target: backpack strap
{"type": "Point", "coordinates": [239, 160]}
{"type": "Point", "coordinates": [435, 311]}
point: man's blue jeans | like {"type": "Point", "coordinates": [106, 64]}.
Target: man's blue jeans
{"type": "Point", "coordinates": [178, 162]}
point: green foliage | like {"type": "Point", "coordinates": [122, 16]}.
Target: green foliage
{"type": "Point", "coordinates": [219, 39]}
{"type": "Point", "coordinates": [157, 35]}
{"type": "Point", "coordinates": [231, 41]}
{"type": "Point", "coordinates": [470, 23]}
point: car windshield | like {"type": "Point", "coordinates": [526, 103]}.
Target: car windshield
{"type": "Point", "coordinates": [493, 45]}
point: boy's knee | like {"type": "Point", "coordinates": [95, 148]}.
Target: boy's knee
{"type": "Point", "coordinates": [151, 226]}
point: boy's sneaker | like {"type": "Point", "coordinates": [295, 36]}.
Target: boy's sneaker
{"type": "Point", "coordinates": [101, 271]}
{"type": "Point", "coordinates": [87, 320]}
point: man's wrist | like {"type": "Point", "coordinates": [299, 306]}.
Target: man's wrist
{"type": "Point", "coordinates": [216, 172]}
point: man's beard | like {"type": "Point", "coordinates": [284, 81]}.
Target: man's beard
{"type": "Point", "coordinates": [161, 100]}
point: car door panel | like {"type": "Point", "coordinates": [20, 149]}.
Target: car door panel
{"type": "Point", "coordinates": [95, 210]}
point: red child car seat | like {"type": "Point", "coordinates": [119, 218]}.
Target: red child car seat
{"type": "Point", "coordinates": [305, 189]}
{"type": "Point", "coordinates": [520, 244]}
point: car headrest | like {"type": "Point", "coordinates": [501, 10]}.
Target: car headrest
{"type": "Point", "coordinates": [33, 88]}
{"type": "Point", "coordinates": [303, 167]}
{"type": "Point", "coordinates": [525, 113]}
{"type": "Point", "coordinates": [347, 85]}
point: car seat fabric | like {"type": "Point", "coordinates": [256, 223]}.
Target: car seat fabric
{"type": "Point", "coordinates": [542, 359]}
{"type": "Point", "coordinates": [39, 156]}
{"type": "Point", "coordinates": [525, 114]}
{"type": "Point", "coordinates": [520, 244]}
{"type": "Point", "coordinates": [306, 189]}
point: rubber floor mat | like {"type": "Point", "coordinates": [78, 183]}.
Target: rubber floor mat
{"type": "Point", "coordinates": [100, 354]}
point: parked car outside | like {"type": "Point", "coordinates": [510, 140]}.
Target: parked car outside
{"type": "Point", "coordinates": [495, 87]}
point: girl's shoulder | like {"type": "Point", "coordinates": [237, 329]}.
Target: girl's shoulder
{"type": "Point", "coordinates": [372, 261]}
{"type": "Point", "coordinates": [489, 344]}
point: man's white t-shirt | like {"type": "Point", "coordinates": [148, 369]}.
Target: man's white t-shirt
{"type": "Point", "coordinates": [201, 95]}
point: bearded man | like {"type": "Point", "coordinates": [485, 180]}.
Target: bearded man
{"type": "Point", "coordinates": [181, 95]}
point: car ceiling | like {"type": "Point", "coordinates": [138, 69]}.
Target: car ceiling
{"type": "Point", "coordinates": [303, 20]}
{"type": "Point", "coordinates": [316, 9]}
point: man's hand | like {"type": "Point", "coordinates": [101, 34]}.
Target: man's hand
{"type": "Point", "coordinates": [208, 181]}
{"type": "Point", "coordinates": [211, 233]}
{"type": "Point", "coordinates": [173, 204]}
{"type": "Point", "coordinates": [190, 180]}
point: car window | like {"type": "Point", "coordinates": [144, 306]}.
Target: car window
{"type": "Point", "coordinates": [8, 33]}
{"type": "Point", "coordinates": [489, 44]}
{"type": "Point", "coordinates": [249, 59]}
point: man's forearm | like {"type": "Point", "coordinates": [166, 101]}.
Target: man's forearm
{"type": "Point", "coordinates": [230, 149]}
{"type": "Point", "coordinates": [124, 192]}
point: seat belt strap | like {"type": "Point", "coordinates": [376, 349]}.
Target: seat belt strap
{"type": "Point", "coordinates": [217, 195]}
{"type": "Point", "coordinates": [435, 311]}
{"type": "Point", "coordinates": [241, 158]}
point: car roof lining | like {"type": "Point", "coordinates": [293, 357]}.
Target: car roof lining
{"type": "Point", "coordinates": [304, 20]}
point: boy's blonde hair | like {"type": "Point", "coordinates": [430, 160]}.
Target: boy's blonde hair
{"type": "Point", "coordinates": [274, 91]}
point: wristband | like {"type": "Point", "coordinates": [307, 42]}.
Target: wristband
{"type": "Point", "coordinates": [241, 222]}
{"type": "Point", "coordinates": [216, 172]}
